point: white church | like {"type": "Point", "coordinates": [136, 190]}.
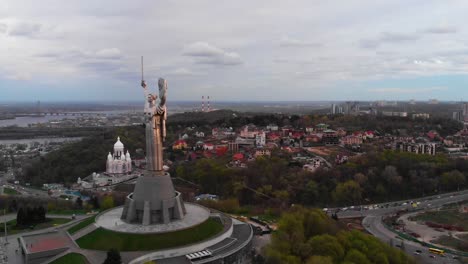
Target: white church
{"type": "Point", "coordinates": [119, 162]}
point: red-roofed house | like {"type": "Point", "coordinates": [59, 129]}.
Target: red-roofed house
{"type": "Point", "coordinates": [369, 134]}
{"type": "Point", "coordinates": [273, 136]}
{"type": "Point", "coordinates": [297, 134]}
{"type": "Point", "coordinates": [313, 138]}
{"type": "Point", "coordinates": [208, 146]}
{"type": "Point", "coordinates": [238, 156]}
{"type": "Point", "coordinates": [432, 135]}
{"type": "Point", "coordinates": [221, 151]}
{"type": "Point", "coordinates": [179, 144]}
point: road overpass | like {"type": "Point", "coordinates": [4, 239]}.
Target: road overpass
{"type": "Point", "coordinates": [372, 222]}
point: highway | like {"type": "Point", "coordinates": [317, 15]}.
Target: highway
{"type": "Point", "coordinates": [372, 222]}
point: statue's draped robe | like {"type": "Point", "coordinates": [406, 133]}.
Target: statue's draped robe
{"type": "Point", "coordinates": [155, 134]}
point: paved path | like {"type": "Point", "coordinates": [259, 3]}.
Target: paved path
{"type": "Point", "coordinates": [90, 228]}
{"type": "Point", "coordinates": [13, 249]}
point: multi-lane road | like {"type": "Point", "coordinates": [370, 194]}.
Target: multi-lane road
{"type": "Point", "coordinates": [372, 222]}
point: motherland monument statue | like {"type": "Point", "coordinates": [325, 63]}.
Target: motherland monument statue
{"type": "Point", "coordinates": [154, 199]}
{"type": "Point", "coordinates": [155, 122]}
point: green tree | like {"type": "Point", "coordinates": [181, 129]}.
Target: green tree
{"type": "Point", "coordinates": [79, 203]}
{"type": "Point", "coordinates": [356, 257]}
{"type": "Point", "coordinates": [320, 260]}
{"type": "Point", "coordinates": [310, 236]}
{"type": "Point", "coordinates": [311, 193]}
{"type": "Point", "coordinates": [326, 245]}
{"type": "Point", "coordinates": [20, 217]}
{"type": "Point", "coordinates": [107, 202]}
{"type": "Point", "coordinates": [113, 257]}
{"type": "Point", "coordinates": [348, 192]}
{"type": "Point", "coordinates": [452, 180]}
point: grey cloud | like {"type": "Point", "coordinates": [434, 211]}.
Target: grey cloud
{"type": "Point", "coordinates": [99, 66]}
{"type": "Point", "coordinates": [24, 29]}
{"type": "Point", "coordinates": [112, 53]}
{"type": "Point", "coordinates": [3, 28]}
{"type": "Point", "coordinates": [441, 30]}
{"type": "Point", "coordinates": [369, 43]}
{"type": "Point", "coordinates": [204, 53]}
{"type": "Point", "coordinates": [398, 37]}
{"type": "Point", "coordinates": [281, 60]}
{"type": "Point", "coordinates": [184, 72]}
{"type": "Point", "coordinates": [388, 37]}
{"type": "Point", "coordinates": [291, 42]}
{"type": "Point", "coordinates": [76, 54]}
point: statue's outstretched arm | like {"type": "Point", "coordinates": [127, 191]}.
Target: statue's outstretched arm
{"type": "Point", "coordinates": [162, 92]}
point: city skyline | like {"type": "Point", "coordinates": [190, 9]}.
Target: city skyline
{"type": "Point", "coordinates": [234, 51]}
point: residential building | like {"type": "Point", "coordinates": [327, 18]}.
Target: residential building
{"type": "Point", "coordinates": [351, 140]}
{"type": "Point", "coordinates": [262, 152]}
{"type": "Point", "coordinates": [330, 137]}
{"type": "Point", "coordinates": [180, 144]}
{"type": "Point", "coordinates": [418, 148]}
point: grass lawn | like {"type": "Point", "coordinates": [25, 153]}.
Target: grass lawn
{"type": "Point", "coordinates": [452, 243]}
{"type": "Point", "coordinates": [451, 217]}
{"type": "Point", "coordinates": [13, 229]}
{"type": "Point", "coordinates": [71, 258]}
{"type": "Point", "coordinates": [102, 239]}
{"type": "Point", "coordinates": [72, 230]}
{"type": "Point", "coordinates": [10, 191]}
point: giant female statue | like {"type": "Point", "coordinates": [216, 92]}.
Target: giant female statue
{"type": "Point", "coordinates": [155, 115]}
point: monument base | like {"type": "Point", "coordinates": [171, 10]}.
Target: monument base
{"type": "Point", "coordinates": [153, 201]}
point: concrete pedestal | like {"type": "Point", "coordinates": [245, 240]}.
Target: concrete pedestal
{"type": "Point", "coordinates": [153, 201]}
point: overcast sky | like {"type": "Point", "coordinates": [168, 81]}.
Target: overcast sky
{"type": "Point", "coordinates": [234, 50]}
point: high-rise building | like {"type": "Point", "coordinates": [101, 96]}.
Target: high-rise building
{"type": "Point", "coordinates": [334, 109]}
{"type": "Point", "coordinates": [465, 112]}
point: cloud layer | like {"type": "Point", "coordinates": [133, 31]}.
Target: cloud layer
{"type": "Point", "coordinates": [204, 53]}
{"type": "Point", "coordinates": [235, 50]}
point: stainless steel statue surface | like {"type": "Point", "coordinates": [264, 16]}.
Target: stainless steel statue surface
{"type": "Point", "coordinates": [155, 115]}
{"type": "Point", "coordinates": [154, 199]}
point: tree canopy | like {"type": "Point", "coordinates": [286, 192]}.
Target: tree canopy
{"type": "Point", "coordinates": [310, 236]}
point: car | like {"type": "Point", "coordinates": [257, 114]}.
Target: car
{"type": "Point", "coordinates": [416, 253]}
{"type": "Point", "coordinates": [455, 257]}
{"type": "Point", "coordinates": [419, 251]}
{"type": "Point", "coordinates": [431, 256]}
{"type": "Point", "coordinates": [325, 209]}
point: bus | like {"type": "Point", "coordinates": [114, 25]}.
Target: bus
{"type": "Point", "coordinates": [437, 251]}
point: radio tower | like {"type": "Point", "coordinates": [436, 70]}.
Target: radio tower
{"type": "Point", "coordinates": [203, 103]}
{"type": "Point", "coordinates": [208, 105]}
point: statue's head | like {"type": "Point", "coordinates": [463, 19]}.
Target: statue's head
{"type": "Point", "coordinates": [151, 97]}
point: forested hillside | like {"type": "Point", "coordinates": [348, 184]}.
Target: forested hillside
{"type": "Point", "coordinates": [81, 158]}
